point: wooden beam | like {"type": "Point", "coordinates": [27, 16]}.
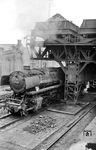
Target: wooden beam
{"type": "Point", "coordinates": [42, 59]}
{"type": "Point", "coordinates": [75, 53]}
{"type": "Point", "coordinates": [65, 50]}
{"type": "Point", "coordinates": [61, 54]}
{"type": "Point", "coordinates": [83, 67]}
{"type": "Point", "coordinates": [63, 68]}
{"type": "Point", "coordinates": [93, 55]}
{"type": "Point", "coordinates": [70, 55]}
{"type": "Point", "coordinates": [60, 63]}
{"type": "Point", "coordinates": [44, 52]}
{"type": "Point", "coordinates": [87, 61]}
{"type": "Point", "coordinates": [84, 54]}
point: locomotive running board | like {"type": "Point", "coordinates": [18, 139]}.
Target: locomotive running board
{"type": "Point", "coordinates": [44, 89]}
{"type": "Point", "coordinates": [67, 109]}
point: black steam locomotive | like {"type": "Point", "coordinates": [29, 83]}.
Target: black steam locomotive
{"type": "Point", "coordinates": [33, 89]}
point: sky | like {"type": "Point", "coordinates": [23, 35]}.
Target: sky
{"type": "Point", "coordinates": [75, 10]}
{"type": "Point", "coordinates": [18, 17]}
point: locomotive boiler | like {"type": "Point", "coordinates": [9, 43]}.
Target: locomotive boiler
{"type": "Point", "coordinates": [34, 88]}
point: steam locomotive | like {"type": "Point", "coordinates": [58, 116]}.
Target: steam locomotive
{"type": "Point", "coordinates": [34, 88]}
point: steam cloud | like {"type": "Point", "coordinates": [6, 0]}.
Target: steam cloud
{"type": "Point", "coordinates": [29, 12]}
{"type": "Point", "coordinates": [17, 18]}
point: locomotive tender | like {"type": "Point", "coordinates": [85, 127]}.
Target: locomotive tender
{"type": "Point", "coordinates": [34, 88]}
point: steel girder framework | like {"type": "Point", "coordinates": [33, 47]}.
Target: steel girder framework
{"type": "Point", "coordinates": [76, 57]}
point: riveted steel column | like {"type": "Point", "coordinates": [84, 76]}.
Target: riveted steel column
{"type": "Point", "coordinates": [72, 79]}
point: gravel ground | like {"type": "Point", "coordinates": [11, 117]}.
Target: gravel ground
{"type": "Point", "coordinates": [23, 134]}
{"type": "Point", "coordinates": [72, 137]}
{"type": "Point", "coordinates": [5, 92]}
{"type": "Point", "coordinates": [41, 124]}
{"type": "Point", "coordinates": [3, 112]}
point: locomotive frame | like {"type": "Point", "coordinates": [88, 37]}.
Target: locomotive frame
{"type": "Point", "coordinates": [34, 89]}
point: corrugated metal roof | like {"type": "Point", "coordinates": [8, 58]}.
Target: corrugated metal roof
{"type": "Point", "coordinates": [56, 17]}
{"type": "Point", "coordinates": [55, 29]}
{"type": "Point", "coordinates": [58, 25]}
{"type": "Point", "coordinates": [88, 23]}
{"type": "Point", "coordinates": [55, 25]}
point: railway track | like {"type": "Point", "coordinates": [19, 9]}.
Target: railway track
{"type": "Point", "coordinates": [56, 136]}
{"type": "Point", "coordinates": [7, 120]}
{"type": "Point", "coordinates": [4, 116]}
{"type": "Point", "coordinates": [49, 141]}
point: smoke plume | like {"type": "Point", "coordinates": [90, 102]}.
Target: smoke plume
{"type": "Point", "coordinates": [29, 12]}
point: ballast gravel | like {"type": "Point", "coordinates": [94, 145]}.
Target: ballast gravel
{"type": "Point", "coordinates": [40, 124]}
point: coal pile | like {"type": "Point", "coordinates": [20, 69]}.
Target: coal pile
{"type": "Point", "coordinates": [40, 124]}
